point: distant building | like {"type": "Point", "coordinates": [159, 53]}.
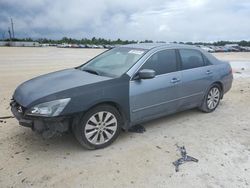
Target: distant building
{"type": "Point", "coordinates": [19, 44]}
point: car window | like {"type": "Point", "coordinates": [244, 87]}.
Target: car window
{"type": "Point", "coordinates": [162, 62]}
{"type": "Point", "coordinates": [114, 62]}
{"type": "Point", "coordinates": [191, 59]}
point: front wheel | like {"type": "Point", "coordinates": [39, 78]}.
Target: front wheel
{"type": "Point", "coordinates": [99, 127]}
{"type": "Point", "coordinates": [212, 99]}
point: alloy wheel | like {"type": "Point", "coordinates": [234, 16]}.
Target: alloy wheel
{"type": "Point", "coordinates": [213, 98]}
{"type": "Point", "coordinates": [100, 127]}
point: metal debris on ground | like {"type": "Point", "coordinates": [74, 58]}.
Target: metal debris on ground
{"type": "Point", "coordinates": [1, 121]}
{"type": "Point", "coordinates": [6, 117]}
{"type": "Point", "coordinates": [137, 129]}
{"type": "Point", "coordinates": [184, 158]}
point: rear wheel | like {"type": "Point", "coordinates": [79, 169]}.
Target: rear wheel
{"type": "Point", "coordinates": [99, 127]}
{"type": "Point", "coordinates": [212, 99]}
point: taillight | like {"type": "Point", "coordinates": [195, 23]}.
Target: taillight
{"type": "Point", "coordinates": [230, 70]}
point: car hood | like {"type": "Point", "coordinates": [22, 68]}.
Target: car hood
{"type": "Point", "coordinates": [52, 83]}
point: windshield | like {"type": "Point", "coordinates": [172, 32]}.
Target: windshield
{"type": "Point", "coordinates": [114, 62]}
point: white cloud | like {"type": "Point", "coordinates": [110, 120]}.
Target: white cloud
{"type": "Point", "coordinates": [178, 20]}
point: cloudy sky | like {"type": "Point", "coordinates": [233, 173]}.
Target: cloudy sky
{"type": "Point", "coordinates": [167, 20]}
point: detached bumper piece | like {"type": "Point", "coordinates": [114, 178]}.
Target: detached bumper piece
{"type": "Point", "coordinates": [184, 158]}
{"type": "Point", "coordinates": [48, 127]}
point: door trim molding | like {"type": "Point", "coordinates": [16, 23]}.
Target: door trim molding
{"type": "Point", "coordinates": [154, 105]}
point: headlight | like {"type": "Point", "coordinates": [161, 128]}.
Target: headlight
{"type": "Point", "coordinates": [49, 109]}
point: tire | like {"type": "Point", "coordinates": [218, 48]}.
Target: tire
{"type": "Point", "coordinates": [99, 127]}
{"type": "Point", "coordinates": [211, 99]}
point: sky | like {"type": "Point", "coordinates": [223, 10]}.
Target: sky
{"type": "Point", "coordinates": [158, 20]}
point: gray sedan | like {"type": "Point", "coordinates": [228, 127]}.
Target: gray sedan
{"type": "Point", "coordinates": [120, 88]}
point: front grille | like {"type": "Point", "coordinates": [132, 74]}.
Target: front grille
{"type": "Point", "coordinates": [20, 109]}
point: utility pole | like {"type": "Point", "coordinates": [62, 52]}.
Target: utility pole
{"type": "Point", "coordinates": [9, 33]}
{"type": "Point", "coordinates": [12, 28]}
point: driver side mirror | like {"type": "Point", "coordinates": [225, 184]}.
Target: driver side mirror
{"type": "Point", "coordinates": [146, 74]}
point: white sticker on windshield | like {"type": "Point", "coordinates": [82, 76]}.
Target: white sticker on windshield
{"type": "Point", "coordinates": [137, 52]}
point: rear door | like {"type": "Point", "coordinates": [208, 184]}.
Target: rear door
{"type": "Point", "coordinates": [155, 97]}
{"type": "Point", "coordinates": [196, 77]}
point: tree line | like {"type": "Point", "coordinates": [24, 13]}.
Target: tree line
{"type": "Point", "coordinates": [102, 41]}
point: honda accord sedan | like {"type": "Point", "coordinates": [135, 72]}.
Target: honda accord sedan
{"type": "Point", "coordinates": [120, 88]}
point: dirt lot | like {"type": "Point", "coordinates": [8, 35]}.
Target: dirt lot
{"type": "Point", "coordinates": [220, 140]}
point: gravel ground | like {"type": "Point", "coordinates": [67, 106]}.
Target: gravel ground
{"type": "Point", "coordinates": [220, 140]}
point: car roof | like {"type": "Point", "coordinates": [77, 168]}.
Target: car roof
{"type": "Point", "coordinates": [149, 46]}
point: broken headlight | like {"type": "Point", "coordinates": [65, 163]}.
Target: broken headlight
{"type": "Point", "coordinates": [49, 109]}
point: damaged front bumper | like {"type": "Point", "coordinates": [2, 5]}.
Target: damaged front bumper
{"type": "Point", "coordinates": [47, 126]}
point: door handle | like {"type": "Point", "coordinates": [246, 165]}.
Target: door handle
{"type": "Point", "coordinates": [209, 72]}
{"type": "Point", "coordinates": [175, 80]}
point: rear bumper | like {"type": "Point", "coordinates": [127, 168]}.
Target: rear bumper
{"type": "Point", "coordinates": [228, 84]}
{"type": "Point", "coordinates": [42, 124]}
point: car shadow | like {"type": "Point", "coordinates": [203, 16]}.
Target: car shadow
{"type": "Point", "coordinates": [34, 142]}
{"type": "Point", "coordinates": [160, 123]}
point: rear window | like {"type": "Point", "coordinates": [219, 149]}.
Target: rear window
{"type": "Point", "coordinates": [191, 59]}
{"type": "Point", "coordinates": [206, 60]}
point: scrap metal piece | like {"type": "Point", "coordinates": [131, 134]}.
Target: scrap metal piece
{"type": "Point", "coordinates": [6, 117]}
{"type": "Point", "coordinates": [137, 129]}
{"type": "Point", "coordinates": [183, 159]}
{"type": "Point", "coordinates": [1, 121]}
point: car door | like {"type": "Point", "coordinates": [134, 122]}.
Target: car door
{"type": "Point", "coordinates": [196, 77]}
{"type": "Point", "coordinates": [151, 98]}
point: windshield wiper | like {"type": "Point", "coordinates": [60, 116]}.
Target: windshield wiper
{"type": "Point", "coordinates": [91, 71]}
